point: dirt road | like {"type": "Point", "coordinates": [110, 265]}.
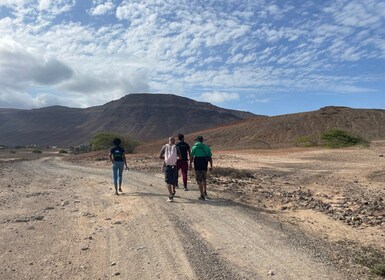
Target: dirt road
{"type": "Point", "coordinates": [62, 221]}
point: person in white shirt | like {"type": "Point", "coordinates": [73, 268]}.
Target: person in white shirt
{"type": "Point", "coordinates": [170, 154]}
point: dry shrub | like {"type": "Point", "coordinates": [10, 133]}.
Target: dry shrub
{"type": "Point", "coordinates": [232, 173]}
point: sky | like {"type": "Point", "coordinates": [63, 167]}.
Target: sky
{"type": "Point", "coordinates": [263, 56]}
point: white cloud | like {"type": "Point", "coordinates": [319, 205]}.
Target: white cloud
{"type": "Point", "coordinates": [102, 9]}
{"type": "Point", "coordinates": [218, 97]}
{"type": "Point", "coordinates": [19, 66]}
{"type": "Point", "coordinates": [44, 4]}
{"type": "Point", "coordinates": [174, 46]}
{"type": "Point", "coordinates": [359, 14]}
{"type": "Point", "coordinates": [349, 89]}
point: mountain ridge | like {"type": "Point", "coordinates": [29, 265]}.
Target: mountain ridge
{"type": "Point", "coordinates": [144, 117]}
{"type": "Point", "coordinates": [283, 130]}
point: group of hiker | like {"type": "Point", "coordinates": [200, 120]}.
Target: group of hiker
{"type": "Point", "coordinates": [175, 157]}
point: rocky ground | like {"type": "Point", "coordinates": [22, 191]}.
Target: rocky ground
{"type": "Point", "coordinates": [337, 195]}
{"type": "Point", "coordinates": [329, 202]}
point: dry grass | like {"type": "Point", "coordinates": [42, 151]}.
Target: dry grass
{"type": "Point", "coordinates": [233, 173]}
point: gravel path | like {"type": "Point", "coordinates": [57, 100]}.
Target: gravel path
{"type": "Point", "coordinates": [62, 221]}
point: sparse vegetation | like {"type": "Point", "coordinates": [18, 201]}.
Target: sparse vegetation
{"type": "Point", "coordinates": [103, 140]}
{"type": "Point", "coordinates": [12, 152]}
{"type": "Point", "coordinates": [305, 141]}
{"type": "Point", "coordinates": [334, 138]}
{"type": "Point", "coordinates": [379, 270]}
{"type": "Point", "coordinates": [232, 172]}
{"type": "Point", "coordinates": [338, 138]}
{"type": "Point", "coordinates": [372, 258]}
{"type": "Point", "coordinates": [261, 143]}
{"type": "Point", "coordinates": [80, 149]}
{"type": "Point", "coordinates": [36, 151]}
{"type": "Point", "coordinates": [63, 152]}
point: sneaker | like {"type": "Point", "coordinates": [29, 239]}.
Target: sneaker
{"type": "Point", "coordinates": [170, 199]}
{"type": "Point", "coordinates": [120, 190]}
{"type": "Point", "coordinates": [185, 188]}
{"type": "Point", "coordinates": [202, 197]}
{"type": "Point", "coordinates": [205, 193]}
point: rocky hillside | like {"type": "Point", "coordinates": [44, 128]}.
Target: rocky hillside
{"type": "Point", "coordinates": [282, 131]}
{"type": "Point", "coordinates": [142, 116]}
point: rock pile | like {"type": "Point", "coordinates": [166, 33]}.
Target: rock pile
{"type": "Point", "coordinates": [356, 209]}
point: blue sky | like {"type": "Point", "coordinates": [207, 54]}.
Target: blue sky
{"type": "Point", "coordinates": [267, 57]}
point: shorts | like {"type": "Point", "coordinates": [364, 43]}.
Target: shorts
{"type": "Point", "coordinates": [170, 174]}
{"type": "Point", "coordinates": [200, 176]}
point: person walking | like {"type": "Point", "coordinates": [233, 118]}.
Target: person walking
{"type": "Point", "coordinates": [183, 162]}
{"type": "Point", "coordinates": [118, 159]}
{"type": "Point", "coordinates": [170, 154]}
{"type": "Point", "coordinates": [201, 155]}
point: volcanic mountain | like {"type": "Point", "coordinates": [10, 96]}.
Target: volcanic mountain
{"type": "Point", "coordinates": [143, 117]}
{"type": "Point", "coordinates": [284, 130]}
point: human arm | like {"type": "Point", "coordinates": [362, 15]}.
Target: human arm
{"type": "Point", "coordinates": [210, 155]}
{"type": "Point", "coordinates": [125, 161]}
{"type": "Point", "coordinates": [192, 155]}
{"type": "Point", "coordinates": [161, 153]}
{"type": "Point", "coordinates": [110, 157]}
{"type": "Point", "coordinates": [179, 154]}
{"type": "Point", "coordinates": [189, 153]}
{"type": "Point", "coordinates": [211, 164]}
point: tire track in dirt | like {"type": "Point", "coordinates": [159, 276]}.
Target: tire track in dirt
{"type": "Point", "coordinates": [139, 235]}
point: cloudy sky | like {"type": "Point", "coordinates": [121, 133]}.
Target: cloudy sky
{"type": "Point", "coordinates": [264, 56]}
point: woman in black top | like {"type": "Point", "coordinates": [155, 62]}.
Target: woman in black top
{"type": "Point", "coordinates": [118, 159]}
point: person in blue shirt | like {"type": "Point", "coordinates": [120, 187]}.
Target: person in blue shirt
{"type": "Point", "coordinates": [118, 159]}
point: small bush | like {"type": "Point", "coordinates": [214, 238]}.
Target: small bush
{"type": "Point", "coordinates": [12, 152]}
{"type": "Point", "coordinates": [81, 149]}
{"type": "Point", "coordinates": [338, 138]}
{"type": "Point", "coordinates": [379, 270]}
{"type": "Point", "coordinates": [63, 152]}
{"type": "Point", "coordinates": [103, 140]}
{"type": "Point", "coordinates": [36, 151]}
{"type": "Point", "coordinates": [305, 141]}
{"type": "Point", "coordinates": [372, 258]}
{"type": "Point", "coordinates": [232, 173]}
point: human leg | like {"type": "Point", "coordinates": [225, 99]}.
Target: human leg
{"type": "Point", "coordinates": [170, 190]}
{"type": "Point", "coordinates": [170, 181]}
{"type": "Point", "coordinates": [184, 168]}
{"type": "Point", "coordinates": [178, 167]}
{"type": "Point", "coordinates": [202, 196]}
{"type": "Point", "coordinates": [174, 178]}
{"type": "Point", "coordinates": [205, 188]}
{"type": "Point", "coordinates": [115, 176]}
{"type": "Point", "coordinates": [199, 178]}
{"type": "Point", "coordinates": [204, 182]}
{"type": "Point", "coordinates": [120, 174]}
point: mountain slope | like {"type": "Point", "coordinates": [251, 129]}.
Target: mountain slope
{"type": "Point", "coordinates": [142, 116]}
{"type": "Point", "coordinates": [281, 131]}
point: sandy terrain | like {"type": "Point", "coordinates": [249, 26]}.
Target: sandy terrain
{"type": "Point", "coordinates": [274, 214]}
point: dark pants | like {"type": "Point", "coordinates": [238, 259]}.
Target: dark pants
{"type": "Point", "coordinates": [183, 165]}
{"type": "Point", "coordinates": [170, 174]}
